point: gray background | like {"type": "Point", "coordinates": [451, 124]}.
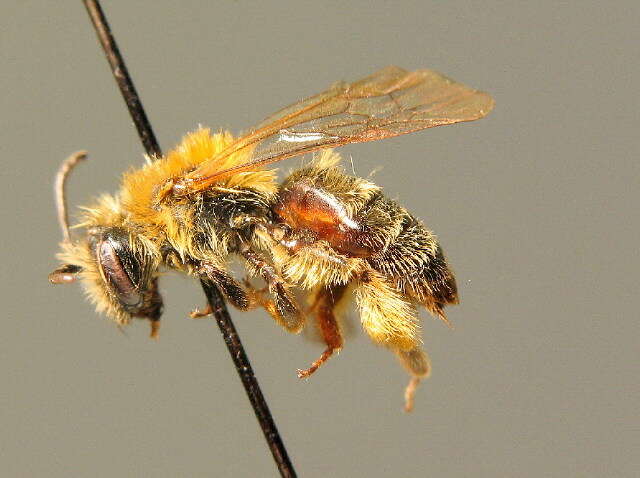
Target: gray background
{"type": "Point", "coordinates": [536, 207]}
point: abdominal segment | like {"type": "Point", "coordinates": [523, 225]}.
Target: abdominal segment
{"type": "Point", "coordinates": [314, 212]}
{"type": "Point", "coordinates": [322, 205]}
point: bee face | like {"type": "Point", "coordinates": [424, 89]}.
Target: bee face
{"type": "Point", "coordinates": [118, 272]}
{"type": "Point", "coordinates": [122, 270]}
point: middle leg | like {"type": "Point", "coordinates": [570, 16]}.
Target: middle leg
{"type": "Point", "coordinates": [324, 305]}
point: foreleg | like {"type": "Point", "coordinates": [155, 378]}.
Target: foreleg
{"type": "Point", "coordinates": [283, 307]}
{"type": "Point", "coordinates": [230, 288]}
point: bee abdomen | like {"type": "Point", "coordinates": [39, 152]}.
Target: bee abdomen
{"type": "Point", "coordinates": [311, 209]}
{"type": "Point", "coordinates": [415, 262]}
{"type": "Point", "coordinates": [367, 225]}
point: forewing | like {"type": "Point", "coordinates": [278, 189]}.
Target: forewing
{"type": "Point", "coordinates": [388, 103]}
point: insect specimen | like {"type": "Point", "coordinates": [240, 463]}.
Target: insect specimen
{"type": "Point", "coordinates": [323, 232]}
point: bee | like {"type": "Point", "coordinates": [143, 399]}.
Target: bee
{"type": "Point", "coordinates": [321, 232]}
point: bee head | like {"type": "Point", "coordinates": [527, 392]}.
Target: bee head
{"type": "Point", "coordinates": [118, 272]}
{"type": "Point", "coordinates": [117, 267]}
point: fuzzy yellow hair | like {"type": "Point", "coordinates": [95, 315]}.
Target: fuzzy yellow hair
{"type": "Point", "coordinates": [350, 191]}
{"type": "Point", "coordinates": [139, 187]}
{"type": "Point", "coordinates": [106, 212]}
{"type": "Point", "coordinates": [388, 317]}
{"type": "Point", "coordinates": [320, 265]}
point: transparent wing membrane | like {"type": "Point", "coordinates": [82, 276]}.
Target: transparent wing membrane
{"type": "Point", "coordinates": [388, 103]}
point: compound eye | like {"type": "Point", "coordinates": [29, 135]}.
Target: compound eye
{"type": "Point", "coordinates": [115, 274]}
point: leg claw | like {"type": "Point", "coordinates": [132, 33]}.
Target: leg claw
{"type": "Point", "coordinates": [200, 314]}
{"type": "Point", "coordinates": [305, 373]}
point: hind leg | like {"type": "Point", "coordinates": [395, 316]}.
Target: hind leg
{"type": "Point", "coordinates": [387, 315]}
{"type": "Point", "coordinates": [390, 319]}
{"type": "Point", "coordinates": [417, 363]}
{"type": "Point", "coordinates": [324, 304]}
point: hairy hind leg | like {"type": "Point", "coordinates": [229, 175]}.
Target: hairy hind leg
{"type": "Point", "coordinates": [390, 319]}
{"type": "Point", "coordinates": [324, 304]}
{"type": "Point", "coordinates": [387, 315]}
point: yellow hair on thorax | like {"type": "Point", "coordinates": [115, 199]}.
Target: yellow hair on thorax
{"type": "Point", "coordinates": [173, 218]}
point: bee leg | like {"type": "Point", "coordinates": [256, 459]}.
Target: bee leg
{"type": "Point", "coordinates": [417, 363]}
{"type": "Point", "coordinates": [201, 314]}
{"type": "Point", "coordinates": [259, 298]}
{"type": "Point", "coordinates": [231, 288]}
{"type": "Point", "coordinates": [390, 319]}
{"type": "Point", "coordinates": [283, 307]}
{"type": "Point", "coordinates": [387, 315]}
{"type": "Point", "coordinates": [155, 328]}
{"type": "Point", "coordinates": [324, 304]}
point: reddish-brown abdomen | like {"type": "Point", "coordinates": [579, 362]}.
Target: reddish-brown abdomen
{"type": "Point", "coordinates": [308, 208]}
